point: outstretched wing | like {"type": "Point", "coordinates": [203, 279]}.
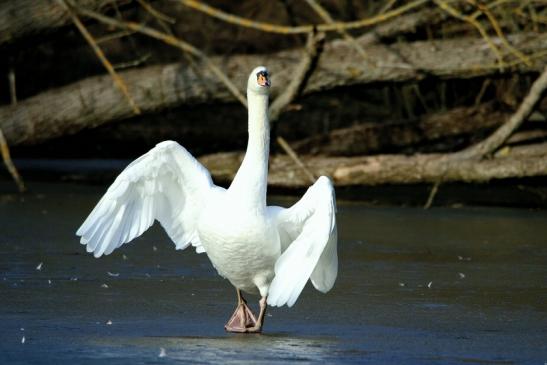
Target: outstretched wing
{"type": "Point", "coordinates": [309, 240]}
{"type": "Point", "coordinates": [165, 184]}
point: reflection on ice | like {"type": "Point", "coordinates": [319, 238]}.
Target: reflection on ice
{"type": "Point", "coordinates": [264, 347]}
{"type": "Point", "coordinates": [229, 349]}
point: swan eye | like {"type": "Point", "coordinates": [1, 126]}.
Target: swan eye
{"type": "Point", "coordinates": [262, 79]}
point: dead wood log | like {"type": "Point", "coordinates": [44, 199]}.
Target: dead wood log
{"type": "Point", "coordinates": [21, 18]}
{"type": "Point", "coordinates": [526, 108]}
{"type": "Point", "coordinates": [94, 101]}
{"type": "Point", "coordinates": [481, 150]}
{"type": "Point", "coordinates": [527, 136]}
{"type": "Point", "coordinates": [380, 170]}
{"type": "Point", "coordinates": [366, 138]}
{"type": "Point", "coordinates": [390, 169]}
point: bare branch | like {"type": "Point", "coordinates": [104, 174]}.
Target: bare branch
{"type": "Point", "coordinates": [12, 86]}
{"type": "Point", "coordinates": [527, 106]}
{"type": "Point", "coordinates": [118, 81]}
{"type": "Point", "coordinates": [4, 150]}
{"type": "Point", "coordinates": [456, 14]}
{"type": "Point", "coordinates": [432, 194]}
{"type": "Point", "coordinates": [499, 32]}
{"type": "Point", "coordinates": [290, 152]}
{"type": "Point", "coordinates": [171, 40]}
{"type": "Point", "coordinates": [159, 15]}
{"type": "Point", "coordinates": [282, 29]}
{"type": "Point", "coordinates": [311, 52]}
{"type": "Point", "coordinates": [323, 13]}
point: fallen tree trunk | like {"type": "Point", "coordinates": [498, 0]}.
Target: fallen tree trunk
{"type": "Point", "coordinates": [366, 138]}
{"type": "Point", "coordinates": [525, 161]}
{"type": "Point", "coordinates": [380, 170]}
{"type": "Point", "coordinates": [21, 18]}
{"type": "Point", "coordinates": [95, 101]}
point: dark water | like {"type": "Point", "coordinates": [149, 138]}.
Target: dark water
{"type": "Point", "coordinates": [445, 286]}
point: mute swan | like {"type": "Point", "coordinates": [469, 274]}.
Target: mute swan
{"type": "Point", "coordinates": [265, 250]}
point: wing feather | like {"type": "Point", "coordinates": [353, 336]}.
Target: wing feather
{"type": "Point", "coordinates": [130, 213]}
{"type": "Point", "coordinates": [309, 232]}
{"type": "Point", "coordinates": [166, 184]}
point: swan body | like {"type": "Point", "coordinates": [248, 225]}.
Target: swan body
{"type": "Point", "coordinates": [266, 250]}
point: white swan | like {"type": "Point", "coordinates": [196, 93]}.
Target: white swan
{"type": "Point", "coordinates": [263, 250]}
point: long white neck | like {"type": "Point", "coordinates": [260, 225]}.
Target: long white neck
{"type": "Point", "coordinates": [250, 182]}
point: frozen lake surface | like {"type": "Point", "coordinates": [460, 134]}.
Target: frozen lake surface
{"type": "Point", "coordinates": [444, 286]}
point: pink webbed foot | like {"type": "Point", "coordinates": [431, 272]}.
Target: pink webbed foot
{"type": "Point", "coordinates": [242, 319]}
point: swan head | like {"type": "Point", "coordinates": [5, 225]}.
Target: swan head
{"type": "Point", "coordinates": [259, 81]}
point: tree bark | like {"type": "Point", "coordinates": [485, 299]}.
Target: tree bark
{"type": "Point", "coordinates": [21, 18]}
{"type": "Point", "coordinates": [94, 101]}
{"type": "Point", "coordinates": [389, 169]}
{"type": "Point", "coordinates": [433, 168]}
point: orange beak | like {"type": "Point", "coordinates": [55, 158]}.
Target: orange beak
{"type": "Point", "coordinates": [263, 80]}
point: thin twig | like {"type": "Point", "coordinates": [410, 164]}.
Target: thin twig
{"type": "Point", "coordinates": [119, 15]}
{"type": "Point", "coordinates": [155, 13]}
{"type": "Point", "coordinates": [387, 6]}
{"type": "Point", "coordinates": [483, 89]}
{"type": "Point", "coordinates": [167, 29]}
{"type": "Point", "coordinates": [12, 87]}
{"type": "Point", "coordinates": [165, 25]}
{"type": "Point", "coordinates": [282, 29]}
{"type": "Point", "coordinates": [4, 148]}
{"type": "Point", "coordinates": [534, 17]}
{"type": "Point", "coordinates": [134, 63]}
{"type": "Point", "coordinates": [112, 36]}
{"type": "Point", "coordinates": [118, 81]}
{"type": "Point", "coordinates": [295, 158]}
{"type": "Point", "coordinates": [416, 88]}
{"type": "Point", "coordinates": [499, 32]}
{"type": "Point", "coordinates": [432, 194]}
{"type": "Point", "coordinates": [311, 52]}
{"type": "Point", "coordinates": [458, 15]}
{"type": "Point", "coordinates": [491, 5]}
{"type": "Point", "coordinates": [324, 14]}
{"type": "Point", "coordinates": [540, 55]}
{"type": "Point", "coordinates": [170, 40]}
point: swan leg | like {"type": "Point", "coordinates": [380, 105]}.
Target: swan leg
{"type": "Point", "coordinates": [257, 328]}
{"type": "Point", "coordinates": [243, 318]}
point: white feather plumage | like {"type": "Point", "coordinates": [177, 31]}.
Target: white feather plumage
{"type": "Point", "coordinates": [268, 250]}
